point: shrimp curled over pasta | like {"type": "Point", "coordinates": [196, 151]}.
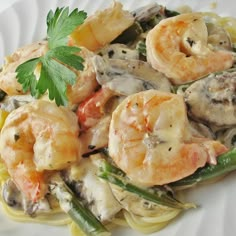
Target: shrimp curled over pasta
{"type": "Point", "coordinates": [150, 139]}
{"type": "Point", "coordinates": [178, 47]}
{"type": "Point", "coordinates": [36, 138]}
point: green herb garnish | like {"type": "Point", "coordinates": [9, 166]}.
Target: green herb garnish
{"type": "Point", "coordinates": [58, 65]}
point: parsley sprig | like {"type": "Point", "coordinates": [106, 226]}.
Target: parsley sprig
{"type": "Point", "coordinates": [58, 65]}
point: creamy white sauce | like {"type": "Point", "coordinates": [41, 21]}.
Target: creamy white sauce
{"type": "Point", "coordinates": [94, 190]}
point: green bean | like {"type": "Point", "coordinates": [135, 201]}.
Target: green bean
{"type": "Point", "coordinates": [156, 195]}
{"type": "Point", "coordinates": [81, 215]}
{"type": "Point", "coordinates": [86, 220]}
{"type": "Point", "coordinates": [226, 163]}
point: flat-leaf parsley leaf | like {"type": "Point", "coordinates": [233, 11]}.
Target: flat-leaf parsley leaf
{"type": "Point", "coordinates": [61, 24]}
{"type": "Point", "coordinates": [59, 64]}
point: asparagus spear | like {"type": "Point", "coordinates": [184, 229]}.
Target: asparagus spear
{"type": "Point", "coordinates": [226, 163]}
{"type": "Point", "coordinates": [82, 216]}
{"type": "Point", "coordinates": [116, 176]}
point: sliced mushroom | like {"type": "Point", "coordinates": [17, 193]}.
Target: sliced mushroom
{"type": "Point", "coordinates": [227, 137]}
{"type": "Point", "coordinates": [147, 12]}
{"type": "Point", "coordinates": [218, 37]}
{"type": "Point", "coordinates": [15, 199]}
{"type": "Point", "coordinates": [212, 100]}
{"type": "Point", "coordinates": [11, 195]}
{"type": "Point", "coordinates": [10, 103]}
{"type": "Point", "coordinates": [201, 130]}
{"type": "Point", "coordinates": [126, 77]}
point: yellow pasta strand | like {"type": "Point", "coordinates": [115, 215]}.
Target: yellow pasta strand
{"type": "Point", "coordinates": [55, 217]}
{"type": "Point", "coordinates": [149, 225]}
{"type": "Point", "coordinates": [75, 230]}
{"type": "Point", "coordinates": [228, 23]}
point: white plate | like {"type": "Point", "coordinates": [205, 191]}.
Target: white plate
{"type": "Point", "coordinates": [25, 22]}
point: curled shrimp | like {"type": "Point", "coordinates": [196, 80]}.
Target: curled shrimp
{"type": "Point", "coordinates": [8, 81]}
{"type": "Point", "coordinates": [37, 138]}
{"type": "Point", "coordinates": [102, 27]}
{"type": "Point", "coordinates": [178, 47]}
{"type": "Point", "coordinates": [85, 83]}
{"type": "Point", "coordinates": [150, 139]}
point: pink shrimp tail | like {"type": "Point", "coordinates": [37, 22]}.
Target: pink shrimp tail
{"type": "Point", "coordinates": [29, 182]}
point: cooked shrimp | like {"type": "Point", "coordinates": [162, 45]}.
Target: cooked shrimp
{"type": "Point", "coordinates": [94, 116]}
{"type": "Point", "coordinates": [150, 139]}
{"type": "Point", "coordinates": [85, 83]}
{"type": "Point", "coordinates": [102, 27]}
{"type": "Point", "coordinates": [91, 110]}
{"type": "Point", "coordinates": [8, 81]}
{"type": "Point", "coordinates": [178, 47]}
{"type": "Point", "coordinates": [36, 138]}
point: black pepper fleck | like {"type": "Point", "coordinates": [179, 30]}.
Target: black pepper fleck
{"type": "Point", "coordinates": [190, 41]}
{"type": "Point", "coordinates": [111, 53]}
{"type": "Point", "coordinates": [91, 147]}
{"type": "Point", "coordinates": [16, 137]}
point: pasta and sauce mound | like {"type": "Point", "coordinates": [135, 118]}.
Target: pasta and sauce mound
{"type": "Point", "coordinates": [105, 126]}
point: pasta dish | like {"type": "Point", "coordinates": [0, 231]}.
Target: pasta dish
{"type": "Point", "coordinates": [108, 119]}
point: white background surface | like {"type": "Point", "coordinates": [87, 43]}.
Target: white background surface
{"type": "Point", "coordinates": [5, 4]}
{"type": "Point", "coordinates": [216, 212]}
